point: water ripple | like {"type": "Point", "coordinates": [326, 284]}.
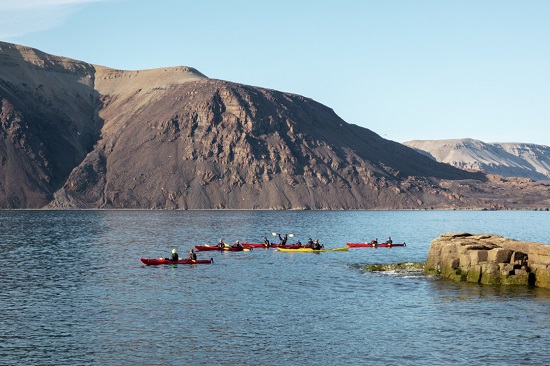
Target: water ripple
{"type": "Point", "coordinates": [74, 292]}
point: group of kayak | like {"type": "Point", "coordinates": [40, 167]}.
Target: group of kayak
{"type": "Point", "coordinates": [310, 246]}
{"type": "Point", "coordinates": [238, 246]}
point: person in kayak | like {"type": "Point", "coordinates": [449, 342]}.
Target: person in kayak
{"type": "Point", "coordinates": [174, 256]}
{"type": "Point", "coordinates": [221, 244]}
{"type": "Point", "coordinates": [374, 241]}
{"type": "Point", "coordinates": [283, 240]}
{"type": "Point", "coordinates": [389, 241]}
{"type": "Point", "coordinates": [266, 242]}
{"type": "Point", "coordinates": [310, 242]}
{"type": "Point", "coordinates": [316, 245]}
{"type": "Point", "coordinates": [299, 243]}
{"type": "Point", "coordinates": [192, 255]}
{"type": "Point", "coordinates": [237, 245]}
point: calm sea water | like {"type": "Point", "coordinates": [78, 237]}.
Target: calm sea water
{"type": "Point", "coordinates": [73, 292]}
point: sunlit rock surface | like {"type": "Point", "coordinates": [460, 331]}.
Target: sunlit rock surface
{"type": "Point", "coordinates": [489, 259]}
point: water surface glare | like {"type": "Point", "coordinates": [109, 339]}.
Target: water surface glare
{"type": "Point", "coordinates": [73, 291]}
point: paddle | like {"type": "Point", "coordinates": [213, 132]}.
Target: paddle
{"type": "Point", "coordinates": [275, 234]}
{"type": "Point", "coordinates": [290, 235]}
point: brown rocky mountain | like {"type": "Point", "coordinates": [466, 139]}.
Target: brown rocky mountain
{"type": "Point", "coordinates": [49, 122]}
{"type": "Point", "coordinates": [76, 135]}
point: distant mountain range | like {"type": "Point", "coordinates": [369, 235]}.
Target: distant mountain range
{"type": "Point", "coordinates": [78, 135]}
{"type": "Point", "coordinates": [506, 159]}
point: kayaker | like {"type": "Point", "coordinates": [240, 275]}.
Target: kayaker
{"type": "Point", "coordinates": [266, 242]}
{"type": "Point", "coordinates": [316, 245]}
{"type": "Point", "coordinates": [283, 240]}
{"type": "Point", "coordinates": [299, 243]}
{"type": "Point", "coordinates": [237, 245]}
{"type": "Point", "coordinates": [174, 256]}
{"type": "Point", "coordinates": [192, 255]}
{"type": "Point", "coordinates": [221, 244]}
{"type": "Point", "coordinates": [389, 241]}
{"type": "Point", "coordinates": [374, 241]}
{"type": "Point", "coordinates": [310, 242]}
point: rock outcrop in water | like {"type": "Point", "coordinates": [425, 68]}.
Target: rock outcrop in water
{"type": "Point", "coordinates": [77, 135]}
{"type": "Point", "coordinates": [489, 259]}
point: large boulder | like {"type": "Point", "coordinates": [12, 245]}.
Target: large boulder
{"type": "Point", "coordinates": [489, 259]}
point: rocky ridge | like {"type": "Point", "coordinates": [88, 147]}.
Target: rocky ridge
{"type": "Point", "coordinates": [227, 145]}
{"type": "Point", "coordinates": [76, 135]}
{"type": "Point", "coordinates": [506, 159]}
{"type": "Point", "coordinates": [48, 123]}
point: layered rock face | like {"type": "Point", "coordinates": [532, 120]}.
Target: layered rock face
{"type": "Point", "coordinates": [76, 135]}
{"type": "Point", "coordinates": [48, 123]}
{"type": "Point", "coordinates": [506, 159]}
{"type": "Point", "coordinates": [206, 143]}
{"type": "Point", "coordinates": [489, 259]}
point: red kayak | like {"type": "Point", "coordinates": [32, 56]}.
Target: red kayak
{"type": "Point", "coordinates": [258, 245]}
{"type": "Point", "coordinates": [373, 245]}
{"type": "Point", "coordinates": [155, 261]}
{"type": "Point", "coordinates": [215, 247]}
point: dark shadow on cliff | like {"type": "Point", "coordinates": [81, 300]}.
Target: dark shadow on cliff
{"type": "Point", "coordinates": [49, 123]}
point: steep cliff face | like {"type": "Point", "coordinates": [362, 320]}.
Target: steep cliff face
{"type": "Point", "coordinates": [202, 143]}
{"type": "Point", "coordinates": [48, 123]}
{"type": "Point", "coordinates": [506, 159]}
{"type": "Point", "coordinates": [76, 135]}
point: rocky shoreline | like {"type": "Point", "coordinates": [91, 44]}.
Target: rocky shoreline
{"type": "Point", "coordinates": [489, 259]}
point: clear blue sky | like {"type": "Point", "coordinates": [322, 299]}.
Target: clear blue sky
{"type": "Point", "coordinates": [405, 69]}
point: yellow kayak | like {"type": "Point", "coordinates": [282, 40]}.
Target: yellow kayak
{"type": "Point", "coordinates": [343, 249]}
